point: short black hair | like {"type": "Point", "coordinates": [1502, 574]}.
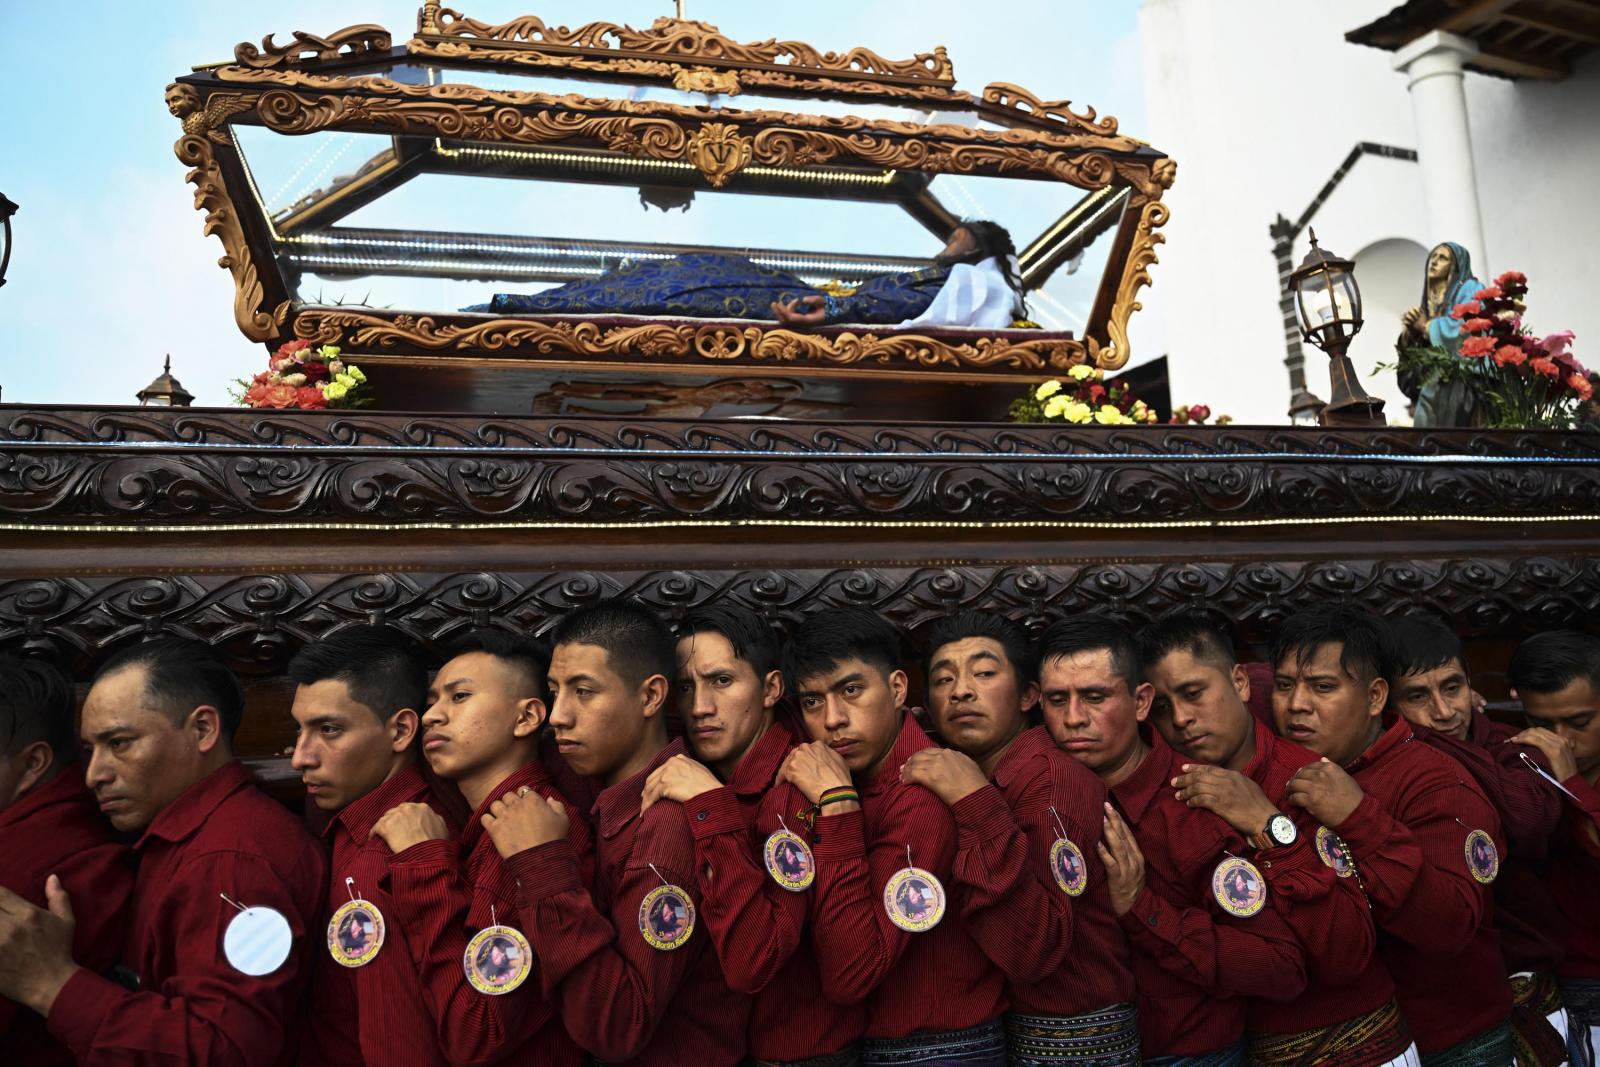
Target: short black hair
{"type": "Point", "coordinates": [182, 674]}
{"type": "Point", "coordinates": [752, 639]}
{"type": "Point", "coordinates": [37, 704]}
{"type": "Point", "coordinates": [1011, 637]}
{"type": "Point", "coordinates": [1089, 632]}
{"type": "Point", "coordinates": [1423, 644]}
{"type": "Point", "coordinates": [1551, 661]}
{"type": "Point", "coordinates": [527, 655]}
{"type": "Point", "coordinates": [1368, 642]}
{"type": "Point", "coordinates": [637, 643]}
{"type": "Point", "coordinates": [1187, 631]}
{"type": "Point", "coordinates": [824, 639]}
{"type": "Point", "coordinates": [380, 665]}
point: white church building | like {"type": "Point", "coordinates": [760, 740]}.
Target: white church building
{"type": "Point", "coordinates": [1387, 130]}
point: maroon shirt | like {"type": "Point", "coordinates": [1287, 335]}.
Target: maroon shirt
{"type": "Point", "coordinates": [375, 1013]}
{"type": "Point", "coordinates": [757, 926]}
{"type": "Point", "coordinates": [57, 829]}
{"type": "Point", "coordinates": [1435, 921]}
{"type": "Point", "coordinates": [1533, 934]}
{"type": "Point", "coordinates": [913, 982]}
{"type": "Point", "coordinates": [443, 893]}
{"type": "Point", "coordinates": [221, 835]}
{"type": "Point", "coordinates": [623, 1000]}
{"type": "Point", "coordinates": [1193, 961]}
{"type": "Point", "coordinates": [1061, 955]}
{"type": "Point", "coordinates": [1346, 979]}
{"type": "Point", "coordinates": [1574, 877]}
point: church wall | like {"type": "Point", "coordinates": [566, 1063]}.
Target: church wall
{"type": "Point", "coordinates": [1231, 97]}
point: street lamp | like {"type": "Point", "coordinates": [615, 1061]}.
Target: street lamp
{"type": "Point", "coordinates": [7, 209]}
{"type": "Point", "coordinates": [1329, 306]}
{"type": "Point", "coordinates": [166, 391]}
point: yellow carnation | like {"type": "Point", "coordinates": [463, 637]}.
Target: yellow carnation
{"type": "Point", "coordinates": [1047, 390]}
{"type": "Point", "coordinates": [344, 379]}
{"type": "Point", "coordinates": [1056, 406]}
{"type": "Point", "coordinates": [1077, 411]}
{"type": "Point", "coordinates": [1108, 415]}
{"type": "Point", "coordinates": [355, 372]}
{"type": "Point", "coordinates": [334, 391]}
{"type": "Point", "coordinates": [1080, 372]}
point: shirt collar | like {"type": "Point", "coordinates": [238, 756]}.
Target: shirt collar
{"type": "Point", "coordinates": [912, 738]}
{"type": "Point", "coordinates": [760, 765]}
{"type": "Point", "coordinates": [1397, 732]}
{"type": "Point", "coordinates": [617, 805]}
{"type": "Point", "coordinates": [1480, 731]}
{"type": "Point", "coordinates": [186, 814]}
{"type": "Point", "coordinates": [531, 774]}
{"type": "Point", "coordinates": [1135, 792]}
{"type": "Point", "coordinates": [66, 788]}
{"type": "Point", "coordinates": [360, 814]}
{"type": "Point", "coordinates": [1028, 744]}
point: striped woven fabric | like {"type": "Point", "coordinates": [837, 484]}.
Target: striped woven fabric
{"type": "Point", "coordinates": [1492, 1048]}
{"type": "Point", "coordinates": [1232, 1056]}
{"type": "Point", "coordinates": [1380, 1036]}
{"type": "Point", "coordinates": [1108, 1037]}
{"type": "Point", "coordinates": [976, 1046]}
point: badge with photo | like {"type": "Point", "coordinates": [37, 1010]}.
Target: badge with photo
{"type": "Point", "coordinates": [1483, 859]}
{"type": "Point", "coordinates": [666, 916]}
{"type": "Point", "coordinates": [1238, 886]}
{"type": "Point", "coordinates": [914, 898]}
{"type": "Point", "coordinates": [497, 960]}
{"type": "Point", "coordinates": [355, 933]}
{"type": "Point", "coordinates": [789, 861]}
{"type": "Point", "coordinates": [1066, 861]}
{"type": "Point", "coordinates": [1334, 852]}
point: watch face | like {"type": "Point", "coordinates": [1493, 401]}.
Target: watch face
{"type": "Point", "coordinates": [1282, 830]}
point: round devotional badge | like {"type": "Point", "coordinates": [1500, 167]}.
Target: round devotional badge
{"type": "Point", "coordinates": [1066, 863]}
{"type": "Point", "coordinates": [914, 900]}
{"type": "Point", "coordinates": [497, 960]}
{"type": "Point", "coordinates": [666, 917]}
{"type": "Point", "coordinates": [1483, 859]}
{"type": "Point", "coordinates": [1334, 852]}
{"type": "Point", "coordinates": [257, 941]}
{"type": "Point", "coordinates": [1239, 887]}
{"type": "Point", "coordinates": [789, 861]}
{"type": "Point", "coordinates": [355, 933]}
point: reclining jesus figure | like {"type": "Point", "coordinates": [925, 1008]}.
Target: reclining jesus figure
{"type": "Point", "coordinates": [973, 282]}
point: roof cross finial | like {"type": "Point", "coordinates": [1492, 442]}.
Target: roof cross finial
{"type": "Point", "coordinates": [680, 10]}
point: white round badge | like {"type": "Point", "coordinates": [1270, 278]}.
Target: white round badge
{"type": "Point", "coordinates": [257, 941]}
{"type": "Point", "coordinates": [914, 900]}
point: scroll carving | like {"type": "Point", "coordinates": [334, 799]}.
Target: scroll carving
{"type": "Point", "coordinates": [681, 40]}
{"type": "Point", "coordinates": [718, 151]}
{"type": "Point", "coordinates": [352, 42]}
{"type": "Point", "coordinates": [705, 80]}
{"type": "Point", "coordinates": [1135, 275]}
{"type": "Point", "coordinates": [1054, 112]}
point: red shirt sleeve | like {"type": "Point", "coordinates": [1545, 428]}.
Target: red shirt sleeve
{"type": "Point", "coordinates": [755, 924]}
{"type": "Point", "coordinates": [440, 912]}
{"type": "Point", "coordinates": [1328, 914]}
{"type": "Point", "coordinates": [857, 945]}
{"type": "Point", "coordinates": [208, 1012]}
{"type": "Point", "coordinates": [1022, 923]}
{"type": "Point", "coordinates": [1413, 863]}
{"type": "Point", "coordinates": [611, 987]}
{"type": "Point", "coordinates": [1588, 819]}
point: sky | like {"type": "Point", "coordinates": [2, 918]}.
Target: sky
{"type": "Point", "coordinates": [110, 272]}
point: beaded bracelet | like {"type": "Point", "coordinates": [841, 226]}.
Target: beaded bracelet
{"type": "Point", "coordinates": [837, 795]}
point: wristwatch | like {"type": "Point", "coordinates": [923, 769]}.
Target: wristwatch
{"type": "Point", "coordinates": [1280, 832]}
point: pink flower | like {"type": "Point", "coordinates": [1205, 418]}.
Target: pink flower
{"type": "Point", "coordinates": [1199, 412]}
{"type": "Point", "coordinates": [1557, 343]}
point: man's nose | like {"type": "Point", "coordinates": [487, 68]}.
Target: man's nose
{"type": "Point", "coordinates": [303, 759]}
{"type": "Point", "coordinates": [1077, 713]}
{"type": "Point", "coordinates": [835, 716]}
{"type": "Point", "coordinates": [1300, 697]}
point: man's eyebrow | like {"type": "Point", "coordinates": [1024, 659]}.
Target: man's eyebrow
{"type": "Point", "coordinates": [111, 731]}
{"type": "Point", "coordinates": [853, 678]}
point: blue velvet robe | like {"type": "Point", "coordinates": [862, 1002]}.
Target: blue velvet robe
{"type": "Point", "coordinates": [717, 286]}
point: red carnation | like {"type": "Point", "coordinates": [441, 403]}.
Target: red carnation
{"type": "Point", "coordinates": [272, 396]}
{"type": "Point", "coordinates": [1511, 279]}
{"type": "Point", "coordinates": [1470, 308]}
{"type": "Point", "coordinates": [1581, 386]}
{"type": "Point", "coordinates": [1097, 393]}
{"type": "Point", "coordinates": [315, 371]}
{"type": "Point", "coordinates": [1510, 356]}
{"type": "Point", "coordinates": [1545, 367]}
{"type": "Point", "coordinates": [310, 398]}
{"type": "Point", "coordinates": [1478, 325]}
{"type": "Point", "coordinates": [1478, 347]}
{"type": "Point", "coordinates": [1494, 292]}
{"type": "Point", "coordinates": [289, 348]}
{"type": "Point", "coordinates": [1199, 412]}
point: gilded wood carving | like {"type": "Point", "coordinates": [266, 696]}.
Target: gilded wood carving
{"type": "Point", "coordinates": [352, 42]}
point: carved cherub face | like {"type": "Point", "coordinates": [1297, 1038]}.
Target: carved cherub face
{"type": "Point", "coordinates": [182, 99]}
{"type": "Point", "coordinates": [1440, 263]}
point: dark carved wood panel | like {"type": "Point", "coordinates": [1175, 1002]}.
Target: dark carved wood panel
{"type": "Point", "coordinates": [99, 465]}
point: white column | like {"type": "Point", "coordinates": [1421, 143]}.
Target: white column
{"type": "Point", "coordinates": [1432, 66]}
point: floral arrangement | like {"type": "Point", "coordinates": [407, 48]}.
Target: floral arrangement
{"type": "Point", "coordinates": [1519, 380]}
{"type": "Point", "coordinates": [1197, 414]}
{"type": "Point", "coordinates": [299, 376]}
{"type": "Point", "coordinates": [1082, 397]}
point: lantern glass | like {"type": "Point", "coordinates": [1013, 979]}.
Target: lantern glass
{"type": "Point", "coordinates": [1329, 304]}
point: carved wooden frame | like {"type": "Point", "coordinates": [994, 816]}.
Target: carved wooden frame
{"type": "Point", "coordinates": [284, 89]}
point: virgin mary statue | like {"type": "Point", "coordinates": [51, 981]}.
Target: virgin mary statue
{"type": "Point", "coordinates": [973, 282]}
{"type": "Point", "coordinates": [1447, 282]}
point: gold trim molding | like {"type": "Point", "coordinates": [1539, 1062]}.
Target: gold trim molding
{"type": "Point", "coordinates": [367, 40]}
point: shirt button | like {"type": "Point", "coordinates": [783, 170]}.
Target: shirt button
{"type": "Point", "coordinates": [700, 815]}
{"type": "Point", "coordinates": [1150, 921]}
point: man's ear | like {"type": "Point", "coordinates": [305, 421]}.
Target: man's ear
{"type": "Point", "coordinates": [1377, 696]}
{"type": "Point", "coordinates": [1143, 696]}
{"type": "Point", "coordinates": [403, 727]}
{"type": "Point", "coordinates": [899, 685]}
{"type": "Point", "coordinates": [35, 760]}
{"type": "Point", "coordinates": [206, 723]}
{"type": "Point", "coordinates": [1241, 683]}
{"type": "Point", "coordinates": [531, 714]}
{"type": "Point", "coordinates": [1030, 697]}
{"type": "Point", "coordinates": [653, 694]}
{"type": "Point", "coordinates": [772, 689]}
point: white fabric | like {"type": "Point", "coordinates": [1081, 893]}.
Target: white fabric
{"type": "Point", "coordinates": [975, 294]}
{"type": "Point", "coordinates": [1558, 1019]}
{"type": "Point", "coordinates": [1409, 1058]}
{"type": "Point", "coordinates": [1582, 1041]}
